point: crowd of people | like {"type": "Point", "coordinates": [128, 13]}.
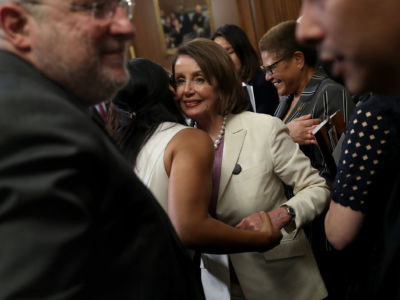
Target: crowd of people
{"type": "Point", "coordinates": [183, 25]}
{"type": "Point", "coordinates": [197, 184]}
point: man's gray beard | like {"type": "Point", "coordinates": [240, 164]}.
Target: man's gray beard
{"type": "Point", "coordinates": [92, 83]}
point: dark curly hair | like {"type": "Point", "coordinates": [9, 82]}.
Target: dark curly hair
{"type": "Point", "coordinates": [139, 108]}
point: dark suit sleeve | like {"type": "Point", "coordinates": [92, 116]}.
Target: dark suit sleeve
{"type": "Point", "coordinates": [265, 94]}
{"type": "Point", "coordinates": [46, 207]}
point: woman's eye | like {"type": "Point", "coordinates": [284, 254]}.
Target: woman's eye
{"type": "Point", "coordinates": [199, 80]}
{"type": "Point", "coordinates": [179, 81]}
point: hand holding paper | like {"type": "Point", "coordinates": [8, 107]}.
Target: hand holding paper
{"type": "Point", "coordinates": [300, 129]}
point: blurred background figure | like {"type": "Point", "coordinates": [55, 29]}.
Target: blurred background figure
{"type": "Point", "coordinates": [310, 96]}
{"type": "Point", "coordinates": [176, 31]}
{"type": "Point", "coordinates": [198, 21]}
{"type": "Point", "coordinates": [361, 37]}
{"type": "Point", "coordinates": [247, 63]}
{"type": "Point", "coordinates": [184, 19]}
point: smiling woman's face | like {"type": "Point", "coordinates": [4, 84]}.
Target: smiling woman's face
{"type": "Point", "coordinates": [197, 97]}
{"type": "Point", "coordinates": [285, 77]}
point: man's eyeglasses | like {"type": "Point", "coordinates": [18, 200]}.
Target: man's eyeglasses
{"type": "Point", "coordinates": [99, 10]}
{"type": "Point", "coordinates": [270, 69]}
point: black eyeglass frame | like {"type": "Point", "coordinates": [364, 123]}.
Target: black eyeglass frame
{"type": "Point", "coordinates": [270, 68]}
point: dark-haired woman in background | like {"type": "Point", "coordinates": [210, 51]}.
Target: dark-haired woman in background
{"type": "Point", "coordinates": [247, 63]}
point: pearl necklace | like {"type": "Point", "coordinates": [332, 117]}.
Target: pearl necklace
{"type": "Point", "coordinates": [220, 134]}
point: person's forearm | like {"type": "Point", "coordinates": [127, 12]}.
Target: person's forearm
{"type": "Point", "coordinates": [213, 236]}
{"type": "Point", "coordinates": [342, 225]}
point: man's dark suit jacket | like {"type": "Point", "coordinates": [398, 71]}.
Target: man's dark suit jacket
{"type": "Point", "coordinates": [75, 223]}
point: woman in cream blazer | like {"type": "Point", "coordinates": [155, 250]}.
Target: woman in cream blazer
{"type": "Point", "coordinates": [266, 158]}
{"type": "Point", "coordinates": [254, 156]}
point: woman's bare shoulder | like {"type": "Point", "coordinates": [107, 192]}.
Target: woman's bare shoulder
{"type": "Point", "coordinates": [193, 137]}
{"type": "Point", "coordinates": [190, 145]}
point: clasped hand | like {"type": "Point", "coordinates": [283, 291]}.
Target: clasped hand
{"type": "Point", "coordinates": [257, 221]}
{"type": "Point", "coordinates": [261, 221]}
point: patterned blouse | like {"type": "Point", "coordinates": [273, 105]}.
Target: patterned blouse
{"type": "Point", "coordinates": [367, 149]}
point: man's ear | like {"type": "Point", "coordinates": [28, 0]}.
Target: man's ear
{"type": "Point", "coordinates": [299, 57]}
{"type": "Point", "coordinates": [14, 23]}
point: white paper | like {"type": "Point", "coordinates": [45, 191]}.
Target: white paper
{"type": "Point", "coordinates": [250, 92]}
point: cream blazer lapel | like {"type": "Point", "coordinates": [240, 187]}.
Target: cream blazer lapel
{"type": "Point", "coordinates": [233, 142]}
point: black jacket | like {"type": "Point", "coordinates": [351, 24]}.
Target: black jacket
{"type": "Point", "coordinates": [265, 94]}
{"type": "Point", "coordinates": [75, 222]}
